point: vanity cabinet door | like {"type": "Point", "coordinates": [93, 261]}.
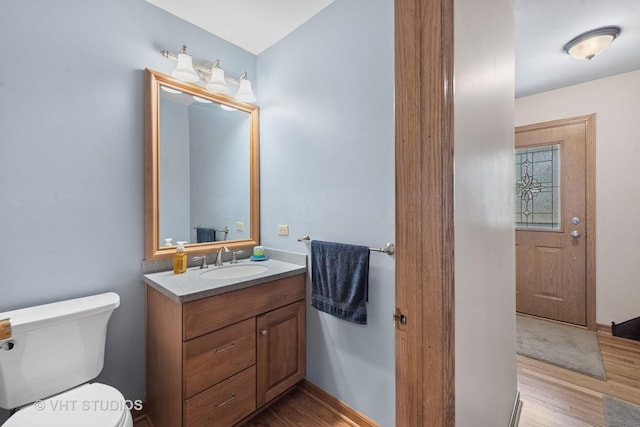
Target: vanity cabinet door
{"type": "Point", "coordinates": [280, 350]}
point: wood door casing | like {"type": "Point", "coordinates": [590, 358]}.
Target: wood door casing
{"type": "Point", "coordinates": [554, 271]}
{"type": "Point", "coordinates": [424, 189]}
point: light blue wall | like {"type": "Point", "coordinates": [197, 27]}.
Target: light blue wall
{"type": "Point", "coordinates": [71, 155]}
{"type": "Point", "coordinates": [327, 170]}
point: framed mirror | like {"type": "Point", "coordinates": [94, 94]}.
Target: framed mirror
{"type": "Point", "coordinates": [201, 169]}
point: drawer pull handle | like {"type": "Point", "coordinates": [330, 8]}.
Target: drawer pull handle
{"type": "Point", "coordinates": [220, 350]}
{"type": "Point", "coordinates": [233, 396]}
{"type": "Point", "coordinates": [263, 332]}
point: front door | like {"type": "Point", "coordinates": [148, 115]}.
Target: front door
{"type": "Point", "coordinates": [551, 219]}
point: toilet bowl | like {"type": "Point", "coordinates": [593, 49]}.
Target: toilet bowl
{"type": "Point", "coordinates": [48, 359]}
{"type": "Point", "coordinates": [89, 405]}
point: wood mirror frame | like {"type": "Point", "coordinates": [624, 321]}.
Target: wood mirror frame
{"type": "Point", "coordinates": [152, 247]}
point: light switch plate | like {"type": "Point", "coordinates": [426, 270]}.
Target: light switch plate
{"type": "Point", "coordinates": [239, 226]}
{"type": "Point", "coordinates": [283, 230]}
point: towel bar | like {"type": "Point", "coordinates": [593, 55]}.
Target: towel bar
{"type": "Point", "coordinates": [221, 230]}
{"type": "Point", "coordinates": [388, 249]}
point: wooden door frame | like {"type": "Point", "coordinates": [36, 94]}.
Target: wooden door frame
{"type": "Point", "coordinates": [589, 122]}
{"type": "Point", "coordinates": [424, 212]}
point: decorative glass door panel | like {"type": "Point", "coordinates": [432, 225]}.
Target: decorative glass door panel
{"type": "Point", "coordinates": [537, 201]}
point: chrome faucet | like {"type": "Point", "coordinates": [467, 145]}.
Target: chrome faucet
{"type": "Point", "coordinates": [218, 262]}
{"type": "Point", "coordinates": [203, 259]}
{"type": "Point", "coordinates": [234, 259]}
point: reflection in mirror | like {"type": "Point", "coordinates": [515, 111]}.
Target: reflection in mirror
{"type": "Point", "coordinates": [202, 169]}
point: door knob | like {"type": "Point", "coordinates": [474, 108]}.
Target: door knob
{"type": "Point", "coordinates": [575, 234]}
{"type": "Point", "coordinates": [575, 220]}
{"type": "Point", "coordinates": [263, 332]}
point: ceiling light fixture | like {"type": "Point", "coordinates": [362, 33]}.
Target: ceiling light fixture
{"type": "Point", "coordinates": [589, 44]}
{"type": "Point", "coordinates": [212, 74]}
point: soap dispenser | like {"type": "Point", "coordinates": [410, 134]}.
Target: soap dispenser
{"type": "Point", "coordinates": [180, 259]}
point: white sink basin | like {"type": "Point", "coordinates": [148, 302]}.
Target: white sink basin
{"type": "Point", "coordinates": [234, 271]}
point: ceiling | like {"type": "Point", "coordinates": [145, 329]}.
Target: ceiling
{"type": "Point", "coordinates": [542, 29]}
{"type": "Point", "coordinates": [254, 25]}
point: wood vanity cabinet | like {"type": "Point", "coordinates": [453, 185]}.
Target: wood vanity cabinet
{"type": "Point", "coordinates": [217, 360]}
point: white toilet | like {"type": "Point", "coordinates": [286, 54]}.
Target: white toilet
{"type": "Point", "coordinates": [45, 366]}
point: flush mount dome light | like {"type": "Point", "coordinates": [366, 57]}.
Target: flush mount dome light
{"type": "Point", "coordinates": [591, 43]}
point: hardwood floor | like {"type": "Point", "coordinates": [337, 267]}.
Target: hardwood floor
{"type": "Point", "coordinates": [553, 396]}
{"type": "Point", "coordinates": [142, 423]}
{"type": "Point", "coordinates": [297, 408]}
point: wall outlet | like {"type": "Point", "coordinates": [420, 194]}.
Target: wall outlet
{"type": "Point", "coordinates": [239, 226]}
{"type": "Point", "coordinates": [283, 230]}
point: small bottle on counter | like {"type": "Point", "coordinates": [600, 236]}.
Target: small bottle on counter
{"type": "Point", "coordinates": [180, 259]}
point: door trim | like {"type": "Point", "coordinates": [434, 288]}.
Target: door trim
{"type": "Point", "coordinates": [589, 122]}
{"type": "Point", "coordinates": [424, 212]}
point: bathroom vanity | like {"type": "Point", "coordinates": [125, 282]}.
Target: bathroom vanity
{"type": "Point", "coordinates": [225, 341]}
{"type": "Point", "coordinates": [220, 350]}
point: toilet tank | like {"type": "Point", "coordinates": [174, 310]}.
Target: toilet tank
{"type": "Point", "coordinates": [53, 347]}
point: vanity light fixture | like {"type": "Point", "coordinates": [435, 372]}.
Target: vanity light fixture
{"type": "Point", "coordinates": [212, 74]}
{"type": "Point", "coordinates": [184, 70]}
{"type": "Point", "coordinates": [217, 83]}
{"type": "Point", "coordinates": [589, 44]}
{"type": "Point", "coordinates": [245, 94]}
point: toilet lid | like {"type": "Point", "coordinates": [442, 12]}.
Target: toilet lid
{"type": "Point", "coordinates": [95, 405]}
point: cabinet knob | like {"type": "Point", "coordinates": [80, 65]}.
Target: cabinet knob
{"type": "Point", "coordinates": [263, 332]}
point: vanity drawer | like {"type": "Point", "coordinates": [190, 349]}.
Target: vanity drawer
{"type": "Point", "coordinates": [208, 314]}
{"type": "Point", "coordinates": [224, 404]}
{"type": "Point", "coordinates": [215, 356]}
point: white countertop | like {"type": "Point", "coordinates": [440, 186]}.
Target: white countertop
{"type": "Point", "coordinates": [189, 286]}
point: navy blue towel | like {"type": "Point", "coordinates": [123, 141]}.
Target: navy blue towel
{"type": "Point", "coordinates": [205, 234]}
{"type": "Point", "coordinates": [340, 280]}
